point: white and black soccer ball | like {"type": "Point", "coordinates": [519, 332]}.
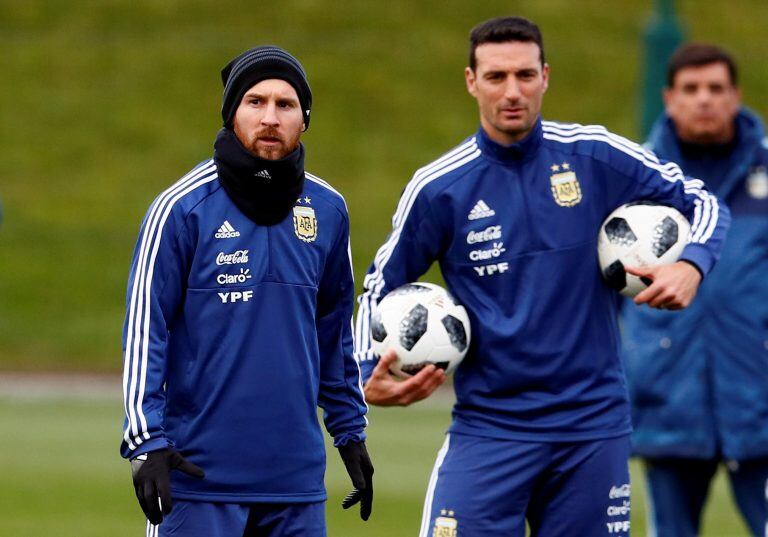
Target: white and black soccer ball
{"type": "Point", "coordinates": [424, 324]}
{"type": "Point", "coordinates": [639, 234]}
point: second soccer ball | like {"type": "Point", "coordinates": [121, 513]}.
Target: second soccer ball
{"type": "Point", "coordinates": [424, 325]}
{"type": "Point", "coordinates": [639, 234]}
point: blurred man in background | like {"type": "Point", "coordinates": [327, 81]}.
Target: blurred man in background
{"type": "Point", "coordinates": [541, 425]}
{"type": "Point", "coordinates": [240, 300]}
{"type": "Point", "coordinates": [699, 378]}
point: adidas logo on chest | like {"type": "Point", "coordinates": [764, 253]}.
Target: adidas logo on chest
{"type": "Point", "coordinates": [480, 210]}
{"type": "Point", "coordinates": [226, 231]}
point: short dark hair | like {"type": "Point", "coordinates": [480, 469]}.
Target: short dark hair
{"type": "Point", "coordinates": [698, 55]}
{"type": "Point", "coordinates": [501, 30]}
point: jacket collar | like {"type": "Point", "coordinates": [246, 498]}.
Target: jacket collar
{"type": "Point", "coordinates": [749, 138]}
{"type": "Point", "coordinates": [520, 151]}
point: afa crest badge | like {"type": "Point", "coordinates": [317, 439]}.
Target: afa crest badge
{"type": "Point", "coordinates": [305, 223]}
{"type": "Point", "coordinates": [757, 183]}
{"type": "Point", "coordinates": [565, 186]}
{"type": "Point", "coordinates": [445, 526]}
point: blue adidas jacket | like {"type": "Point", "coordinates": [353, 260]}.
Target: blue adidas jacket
{"type": "Point", "coordinates": [698, 378]}
{"type": "Point", "coordinates": [234, 334]}
{"type": "Point", "coordinates": [544, 359]}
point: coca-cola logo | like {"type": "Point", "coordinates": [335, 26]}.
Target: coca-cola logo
{"type": "Point", "coordinates": [491, 233]}
{"type": "Point", "coordinates": [623, 491]}
{"type": "Point", "coordinates": [235, 258]}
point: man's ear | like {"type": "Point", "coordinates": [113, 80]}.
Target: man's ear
{"type": "Point", "coordinates": [666, 95]}
{"type": "Point", "coordinates": [469, 77]}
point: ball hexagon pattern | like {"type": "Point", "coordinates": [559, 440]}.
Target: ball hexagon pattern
{"type": "Point", "coordinates": [424, 324]}
{"type": "Point", "coordinates": [639, 234]}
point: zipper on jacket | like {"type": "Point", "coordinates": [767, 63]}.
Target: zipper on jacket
{"type": "Point", "coordinates": [525, 193]}
{"type": "Point", "coordinates": [269, 251]}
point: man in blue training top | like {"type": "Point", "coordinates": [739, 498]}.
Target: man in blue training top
{"type": "Point", "coordinates": [541, 424]}
{"type": "Point", "coordinates": [239, 304]}
{"type": "Point", "coordinates": [698, 380]}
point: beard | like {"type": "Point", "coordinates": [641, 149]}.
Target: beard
{"type": "Point", "coordinates": [284, 144]}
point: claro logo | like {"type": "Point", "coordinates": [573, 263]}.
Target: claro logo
{"type": "Point", "coordinates": [234, 279]}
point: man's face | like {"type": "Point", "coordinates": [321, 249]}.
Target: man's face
{"type": "Point", "coordinates": [703, 103]}
{"type": "Point", "coordinates": [269, 121]}
{"type": "Point", "coordinates": [508, 82]}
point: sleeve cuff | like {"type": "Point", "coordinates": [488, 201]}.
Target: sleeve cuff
{"type": "Point", "coordinates": [150, 445]}
{"type": "Point", "coordinates": [344, 439]}
{"type": "Point", "coordinates": [700, 257]}
{"type": "Point", "coordinates": [367, 362]}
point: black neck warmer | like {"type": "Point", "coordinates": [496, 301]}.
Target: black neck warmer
{"type": "Point", "coordinates": [264, 190]}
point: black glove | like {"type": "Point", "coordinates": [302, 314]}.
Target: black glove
{"type": "Point", "coordinates": [360, 469]}
{"type": "Point", "coordinates": [152, 480]}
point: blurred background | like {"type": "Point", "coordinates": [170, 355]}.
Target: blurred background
{"type": "Point", "coordinates": [105, 104]}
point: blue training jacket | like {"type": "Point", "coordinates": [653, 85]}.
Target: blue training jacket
{"type": "Point", "coordinates": [234, 334]}
{"type": "Point", "coordinates": [699, 378]}
{"type": "Point", "coordinates": [514, 230]}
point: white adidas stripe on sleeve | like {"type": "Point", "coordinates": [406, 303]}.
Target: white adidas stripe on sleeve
{"type": "Point", "coordinates": [706, 206]}
{"type": "Point", "coordinates": [374, 282]}
{"type": "Point", "coordinates": [137, 333]}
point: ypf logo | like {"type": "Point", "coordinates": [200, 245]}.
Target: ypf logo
{"type": "Point", "coordinates": [235, 296]}
{"type": "Point", "coordinates": [490, 270]}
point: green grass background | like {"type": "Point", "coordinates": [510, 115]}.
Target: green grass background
{"type": "Point", "coordinates": [105, 103]}
{"type": "Point", "coordinates": [62, 475]}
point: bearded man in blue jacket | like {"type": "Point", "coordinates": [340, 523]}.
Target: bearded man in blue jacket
{"type": "Point", "coordinates": [541, 425]}
{"type": "Point", "coordinates": [238, 327]}
{"type": "Point", "coordinates": [698, 378]}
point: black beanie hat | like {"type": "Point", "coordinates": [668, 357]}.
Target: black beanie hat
{"type": "Point", "coordinates": [255, 65]}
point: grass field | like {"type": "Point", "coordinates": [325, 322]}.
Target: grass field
{"type": "Point", "coordinates": [62, 476]}
{"type": "Point", "coordinates": [108, 102]}
{"type": "Point", "coordinates": [105, 103]}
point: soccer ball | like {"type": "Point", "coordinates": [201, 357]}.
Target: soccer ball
{"type": "Point", "coordinates": [424, 324]}
{"type": "Point", "coordinates": [639, 234]}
